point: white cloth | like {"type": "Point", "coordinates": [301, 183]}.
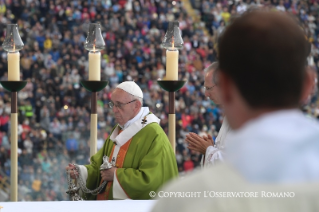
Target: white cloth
{"type": "Point", "coordinates": [282, 146]}
{"type": "Point", "coordinates": [268, 154]}
{"type": "Point", "coordinates": [221, 188]}
{"type": "Point", "coordinates": [216, 153]}
{"type": "Point", "coordinates": [78, 206]}
{"type": "Point", "coordinates": [143, 112]}
{"type": "Point", "coordinates": [118, 192]}
{"type": "Point", "coordinates": [133, 126]}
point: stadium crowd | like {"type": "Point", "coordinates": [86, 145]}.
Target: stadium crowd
{"type": "Point", "coordinates": [54, 109]}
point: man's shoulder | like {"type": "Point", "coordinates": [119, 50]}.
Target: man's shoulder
{"type": "Point", "coordinates": [152, 128]}
{"type": "Point", "coordinates": [153, 131]}
{"type": "Point", "coordinates": [276, 125]}
{"type": "Point", "coordinates": [223, 189]}
{"type": "Point", "coordinates": [218, 174]}
{"type": "Point", "coordinates": [201, 185]}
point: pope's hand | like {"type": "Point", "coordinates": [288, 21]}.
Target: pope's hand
{"type": "Point", "coordinates": [71, 169]}
{"type": "Point", "coordinates": [108, 174]}
{"type": "Point", "coordinates": [197, 143]}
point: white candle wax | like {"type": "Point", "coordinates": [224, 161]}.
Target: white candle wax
{"type": "Point", "coordinates": [94, 66]}
{"type": "Point", "coordinates": [13, 66]}
{"type": "Point", "coordinates": [171, 64]}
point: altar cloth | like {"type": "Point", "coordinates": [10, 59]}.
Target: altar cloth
{"type": "Point", "coordinates": [79, 206]}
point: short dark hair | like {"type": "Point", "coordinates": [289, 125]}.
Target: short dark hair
{"type": "Point", "coordinates": [265, 54]}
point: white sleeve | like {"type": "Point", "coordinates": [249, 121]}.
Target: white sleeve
{"type": "Point", "coordinates": [84, 175]}
{"type": "Point", "coordinates": [83, 172]}
{"type": "Point", "coordinates": [213, 155]}
{"type": "Point", "coordinates": [202, 161]}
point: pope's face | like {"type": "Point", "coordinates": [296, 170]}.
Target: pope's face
{"type": "Point", "coordinates": [123, 112]}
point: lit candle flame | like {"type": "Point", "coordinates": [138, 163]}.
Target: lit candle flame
{"type": "Point", "coordinates": [173, 42]}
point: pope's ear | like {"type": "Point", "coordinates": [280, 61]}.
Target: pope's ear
{"type": "Point", "coordinates": [138, 104]}
{"type": "Point", "coordinates": [224, 84]}
{"type": "Point", "coordinates": [308, 85]}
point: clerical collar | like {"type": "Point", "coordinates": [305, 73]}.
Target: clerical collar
{"type": "Point", "coordinates": [143, 112]}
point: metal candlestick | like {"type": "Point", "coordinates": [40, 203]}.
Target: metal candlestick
{"type": "Point", "coordinates": [94, 87]}
{"type": "Point", "coordinates": [171, 86]}
{"type": "Point", "coordinates": [14, 87]}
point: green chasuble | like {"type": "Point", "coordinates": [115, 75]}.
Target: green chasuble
{"type": "Point", "coordinates": [148, 164]}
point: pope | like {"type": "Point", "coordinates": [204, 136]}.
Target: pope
{"type": "Point", "coordinates": [138, 148]}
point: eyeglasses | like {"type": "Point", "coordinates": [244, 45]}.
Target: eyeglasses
{"type": "Point", "coordinates": [119, 105]}
{"type": "Point", "coordinates": [209, 88]}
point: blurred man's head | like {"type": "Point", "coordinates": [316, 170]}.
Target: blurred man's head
{"type": "Point", "coordinates": [210, 84]}
{"type": "Point", "coordinates": [262, 58]}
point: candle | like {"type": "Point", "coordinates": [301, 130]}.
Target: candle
{"type": "Point", "coordinates": [94, 65]}
{"type": "Point", "coordinates": [171, 63]}
{"type": "Point", "coordinates": [13, 66]}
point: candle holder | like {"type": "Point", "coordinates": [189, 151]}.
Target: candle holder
{"type": "Point", "coordinates": [172, 41]}
{"type": "Point", "coordinates": [12, 44]}
{"type": "Point", "coordinates": [93, 87]}
{"type": "Point", "coordinates": [94, 40]}
{"type": "Point", "coordinates": [171, 86]}
{"type": "Point", "coordinates": [13, 86]}
{"type": "Point", "coordinates": [173, 35]}
{"type": "Point", "coordinates": [94, 43]}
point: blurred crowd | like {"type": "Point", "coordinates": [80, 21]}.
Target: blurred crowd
{"type": "Point", "coordinates": [54, 109]}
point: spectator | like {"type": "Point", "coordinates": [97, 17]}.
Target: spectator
{"type": "Point", "coordinates": [72, 146]}
{"type": "Point", "coordinates": [54, 61]}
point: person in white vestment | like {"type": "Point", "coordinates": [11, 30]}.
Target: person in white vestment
{"type": "Point", "coordinates": [273, 148]}
{"type": "Point", "coordinates": [213, 151]}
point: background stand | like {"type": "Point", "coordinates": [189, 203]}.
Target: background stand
{"type": "Point", "coordinates": [94, 87]}
{"type": "Point", "coordinates": [14, 87]}
{"type": "Point", "coordinates": [171, 86]}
